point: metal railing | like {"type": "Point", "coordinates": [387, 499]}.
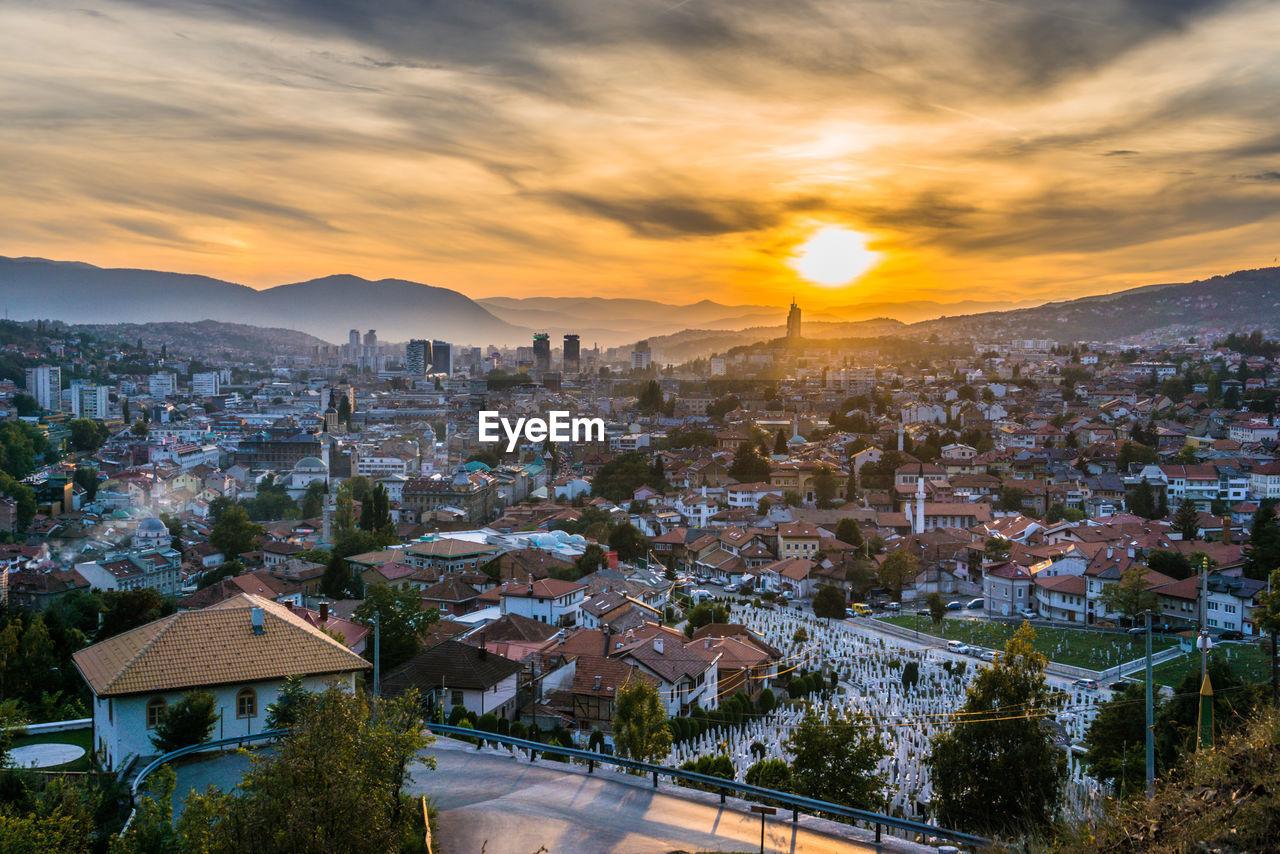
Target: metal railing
{"type": "Point", "coordinates": [163, 759]}
{"type": "Point", "coordinates": [796, 803]}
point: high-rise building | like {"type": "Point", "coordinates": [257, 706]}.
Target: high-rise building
{"type": "Point", "coordinates": [205, 384]}
{"type": "Point", "coordinates": [354, 341]}
{"type": "Point", "coordinates": [793, 321]}
{"type": "Point", "coordinates": [44, 383]}
{"type": "Point", "coordinates": [441, 357]}
{"type": "Point", "coordinates": [417, 357]}
{"type": "Point", "coordinates": [163, 384]}
{"type": "Point", "coordinates": [371, 338]}
{"type": "Point", "coordinates": [640, 356]}
{"type": "Point", "coordinates": [572, 354]}
{"type": "Point", "coordinates": [90, 401]}
{"type": "Point", "coordinates": [541, 352]}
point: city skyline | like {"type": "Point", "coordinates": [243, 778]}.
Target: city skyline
{"type": "Point", "coordinates": [671, 150]}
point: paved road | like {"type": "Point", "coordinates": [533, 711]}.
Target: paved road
{"type": "Point", "coordinates": [491, 802]}
{"type": "Point", "coordinates": [502, 805]}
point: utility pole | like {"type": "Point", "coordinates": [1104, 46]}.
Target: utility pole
{"type": "Point", "coordinates": [377, 653]}
{"type": "Point", "coordinates": [1151, 721]}
{"type": "Point", "coordinates": [1204, 623]}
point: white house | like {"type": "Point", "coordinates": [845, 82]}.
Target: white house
{"type": "Point", "coordinates": [548, 600]}
{"type": "Point", "coordinates": [240, 650]}
{"type": "Point", "coordinates": [453, 673]}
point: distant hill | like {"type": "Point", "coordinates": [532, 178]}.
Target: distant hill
{"type": "Point", "coordinates": [206, 338]}
{"type": "Point", "coordinates": [75, 293]}
{"type": "Point", "coordinates": [1241, 301]}
{"type": "Point", "coordinates": [699, 343]}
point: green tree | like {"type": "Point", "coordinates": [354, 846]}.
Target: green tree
{"type": "Point", "coordinates": [335, 783]}
{"type": "Point", "coordinates": [1142, 500]}
{"type": "Point", "coordinates": [140, 429]}
{"type": "Point", "coordinates": [344, 411]}
{"type": "Point", "coordinates": [640, 722]}
{"type": "Point", "coordinates": [770, 774]}
{"type": "Point", "coordinates": [997, 548]}
{"type": "Point", "coordinates": [1170, 563]}
{"type": "Point", "coordinates": [898, 569]}
{"type": "Point", "coordinates": [1262, 554]}
{"type": "Point", "coordinates": [1117, 741]}
{"type": "Point", "coordinates": [313, 500]}
{"type": "Point", "coordinates": [828, 602]}
{"type": "Point", "coordinates": [628, 542]}
{"type": "Point", "coordinates": [824, 487]}
{"type": "Point", "coordinates": [847, 531]}
{"type": "Point", "coordinates": [1186, 521]}
{"type": "Point", "coordinates": [25, 405]}
{"type": "Point", "coordinates": [748, 466]}
{"type": "Point", "coordinates": [1010, 499]}
{"type": "Point", "coordinates": [996, 769]}
{"type": "Point", "coordinates": [86, 436]}
{"type": "Point", "coordinates": [1175, 727]}
{"type": "Point", "coordinates": [401, 617]}
{"type": "Point", "coordinates": [123, 610]}
{"type": "Point", "coordinates": [701, 615]}
{"type": "Point", "coordinates": [618, 479]}
{"type": "Point", "coordinates": [291, 702]}
{"type": "Point", "coordinates": [188, 721]}
{"type": "Point", "coordinates": [1267, 618]}
{"type": "Point", "coordinates": [593, 558]}
{"type": "Point", "coordinates": [835, 760]}
{"type": "Point", "coordinates": [234, 534]}
{"type": "Point", "coordinates": [780, 443]}
{"type": "Point", "coordinates": [1130, 596]}
{"type": "Point", "coordinates": [937, 608]}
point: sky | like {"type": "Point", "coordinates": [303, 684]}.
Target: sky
{"type": "Point", "coordinates": [673, 149]}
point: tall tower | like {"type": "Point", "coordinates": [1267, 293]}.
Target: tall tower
{"type": "Point", "coordinates": [418, 357]}
{"type": "Point", "coordinates": [541, 352]}
{"type": "Point", "coordinates": [793, 321]}
{"type": "Point", "coordinates": [572, 354]}
{"type": "Point", "coordinates": [441, 357]}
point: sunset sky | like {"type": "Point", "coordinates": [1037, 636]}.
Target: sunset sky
{"type": "Point", "coordinates": [982, 149]}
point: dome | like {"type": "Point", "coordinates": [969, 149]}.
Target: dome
{"type": "Point", "coordinates": [310, 463]}
{"type": "Point", "coordinates": [152, 526]}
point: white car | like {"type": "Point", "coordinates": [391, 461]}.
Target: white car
{"type": "Point", "coordinates": [731, 588]}
{"type": "Point", "coordinates": [988, 655]}
{"type": "Point", "coordinates": [958, 646]}
{"type": "Point", "coordinates": [1027, 614]}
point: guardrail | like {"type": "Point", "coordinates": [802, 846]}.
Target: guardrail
{"type": "Point", "coordinates": [797, 803]}
{"type": "Point", "coordinates": [150, 767]}
{"type": "Point", "coordinates": [52, 726]}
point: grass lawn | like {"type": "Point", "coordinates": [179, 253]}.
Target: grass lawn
{"type": "Point", "coordinates": [79, 737]}
{"type": "Point", "coordinates": [1092, 650]}
{"type": "Point", "coordinates": [1249, 661]}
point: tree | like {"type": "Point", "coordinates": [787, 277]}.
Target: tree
{"type": "Point", "coordinates": [188, 721]}
{"type": "Point", "coordinates": [1142, 500]}
{"type": "Point", "coordinates": [618, 479]}
{"type": "Point", "coordinates": [1267, 618]}
{"type": "Point", "coordinates": [123, 610]}
{"type": "Point", "coordinates": [1130, 596]}
{"type": "Point", "coordinates": [824, 487]}
{"type": "Point", "coordinates": [1175, 727]}
{"type": "Point", "coordinates": [344, 411]}
{"type": "Point", "coordinates": [828, 602]}
{"type": "Point", "coordinates": [1117, 741]}
{"type": "Point", "coordinates": [401, 618]}
{"type": "Point", "coordinates": [996, 548]}
{"type": "Point", "coordinates": [996, 769]}
{"type": "Point", "coordinates": [770, 774]}
{"type": "Point", "coordinates": [234, 534]}
{"type": "Point", "coordinates": [313, 500]}
{"type": "Point", "coordinates": [290, 704]}
{"type": "Point", "coordinates": [1010, 499]}
{"type": "Point", "coordinates": [286, 802]}
{"type": "Point", "coordinates": [780, 443]}
{"type": "Point", "coordinates": [86, 436]}
{"type": "Point", "coordinates": [628, 542]}
{"type": "Point", "coordinates": [847, 531]}
{"type": "Point", "coordinates": [835, 760]}
{"type": "Point", "coordinates": [650, 399]}
{"type": "Point", "coordinates": [86, 478]}
{"type": "Point", "coordinates": [25, 405]}
{"type": "Point", "coordinates": [592, 558]}
{"type": "Point", "coordinates": [937, 608]}
{"type": "Point", "coordinates": [898, 569]}
{"type": "Point", "coordinates": [1186, 520]}
{"type": "Point", "coordinates": [140, 429]}
{"type": "Point", "coordinates": [640, 722]}
{"type": "Point", "coordinates": [701, 615]}
{"type": "Point", "coordinates": [1262, 554]}
{"type": "Point", "coordinates": [1134, 452]}
{"type": "Point", "coordinates": [748, 466]}
{"type": "Point", "coordinates": [336, 581]}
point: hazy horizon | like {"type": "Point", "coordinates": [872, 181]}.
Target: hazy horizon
{"type": "Point", "coordinates": [971, 150]}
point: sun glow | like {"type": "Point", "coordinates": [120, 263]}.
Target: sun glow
{"type": "Point", "coordinates": [833, 256]}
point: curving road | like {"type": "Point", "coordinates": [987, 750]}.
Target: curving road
{"type": "Point", "coordinates": [494, 803]}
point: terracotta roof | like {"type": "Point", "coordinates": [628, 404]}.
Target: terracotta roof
{"type": "Point", "coordinates": [213, 646]}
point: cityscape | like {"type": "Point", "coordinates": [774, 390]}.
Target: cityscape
{"type": "Point", "coordinates": [661, 427]}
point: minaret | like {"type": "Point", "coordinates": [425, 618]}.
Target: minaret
{"type": "Point", "coordinates": [919, 526]}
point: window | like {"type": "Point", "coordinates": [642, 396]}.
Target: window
{"type": "Point", "coordinates": [156, 708]}
{"type": "Point", "coordinates": [457, 698]}
{"type": "Point", "coordinates": [246, 703]}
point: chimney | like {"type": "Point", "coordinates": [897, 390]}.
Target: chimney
{"type": "Point", "coordinates": [1108, 552]}
{"type": "Point", "coordinates": [256, 620]}
{"type": "Point", "coordinates": [706, 642]}
{"type": "Point", "coordinates": [324, 612]}
{"type": "Point", "coordinates": [657, 645]}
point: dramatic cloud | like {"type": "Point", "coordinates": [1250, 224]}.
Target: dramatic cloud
{"type": "Point", "coordinates": [989, 149]}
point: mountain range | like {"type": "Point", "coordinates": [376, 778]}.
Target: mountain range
{"type": "Point", "coordinates": [328, 307]}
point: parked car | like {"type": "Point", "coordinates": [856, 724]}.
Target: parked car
{"type": "Point", "coordinates": [988, 655]}
{"type": "Point", "coordinates": [1231, 634]}
{"type": "Point", "coordinates": [974, 603]}
{"type": "Point", "coordinates": [1138, 630]}
{"type": "Point", "coordinates": [861, 609]}
{"type": "Point", "coordinates": [958, 646]}
{"type": "Point", "coordinates": [1118, 685]}
{"type": "Point", "coordinates": [955, 606]}
{"type": "Point", "coordinates": [893, 606]}
{"type": "Point", "coordinates": [731, 588]}
{"type": "Point", "coordinates": [1027, 614]}
{"type": "Point", "coordinates": [1086, 684]}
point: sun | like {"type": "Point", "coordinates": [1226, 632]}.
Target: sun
{"type": "Point", "coordinates": [833, 256]}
